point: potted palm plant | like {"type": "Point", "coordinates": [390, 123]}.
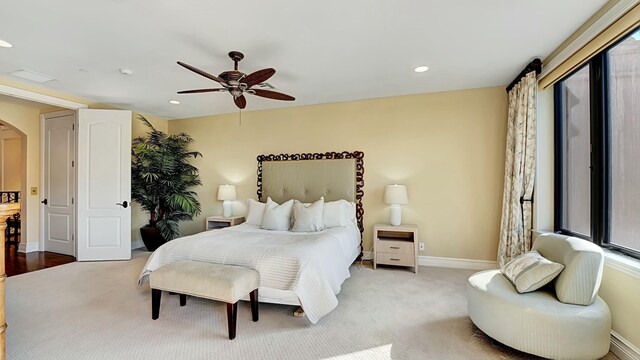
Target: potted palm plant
{"type": "Point", "coordinates": [161, 182]}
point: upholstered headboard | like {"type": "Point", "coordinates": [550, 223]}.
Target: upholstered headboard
{"type": "Point", "coordinates": [307, 177]}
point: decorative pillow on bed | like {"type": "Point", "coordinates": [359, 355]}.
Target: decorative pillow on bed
{"type": "Point", "coordinates": [255, 212]}
{"type": "Point", "coordinates": [277, 217]}
{"type": "Point", "coordinates": [308, 217]}
{"type": "Point", "coordinates": [530, 271]}
{"type": "Point", "coordinates": [338, 213]}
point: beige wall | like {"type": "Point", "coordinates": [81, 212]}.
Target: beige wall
{"type": "Point", "coordinates": [140, 218]}
{"type": "Point", "coordinates": [26, 120]}
{"type": "Point", "coordinates": [619, 290]}
{"type": "Point", "coordinates": [11, 160]}
{"type": "Point", "coordinates": [543, 196]}
{"type": "Point", "coordinates": [448, 148]}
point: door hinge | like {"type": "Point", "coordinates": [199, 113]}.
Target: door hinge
{"type": "Point", "coordinates": [73, 238]}
{"type": "Point", "coordinates": [71, 201]}
{"type": "Point", "coordinates": [73, 127]}
{"type": "Point", "coordinates": [72, 163]}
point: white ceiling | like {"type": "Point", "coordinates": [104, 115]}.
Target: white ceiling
{"type": "Point", "coordinates": [323, 51]}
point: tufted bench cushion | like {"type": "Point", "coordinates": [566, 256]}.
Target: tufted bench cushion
{"type": "Point", "coordinates": [225, 283]}
{"type": "Point", "coordinates": [210, 281]}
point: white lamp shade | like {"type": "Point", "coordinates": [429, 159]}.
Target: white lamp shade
{"type": "Point", "coordinates": [227, 192]}
{"type": "Point", "coordinates": [396, 194]}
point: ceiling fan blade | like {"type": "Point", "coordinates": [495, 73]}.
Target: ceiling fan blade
{"type": "Point", "coordinates": [258, 77]}
{"type": "Point", "coordinates": [200, 72]}
{"type": "Point", "coordinates": [201, 91]}
{"type": "Point", "coordinates": [272, 94]}
{"type": "Point", "coordinates": [240, 101]}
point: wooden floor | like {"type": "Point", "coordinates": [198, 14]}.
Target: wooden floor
{"type": "Point", "coordinates": [19, 263]}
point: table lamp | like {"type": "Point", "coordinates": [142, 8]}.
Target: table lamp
{"type": "Point", "coordinates": [227, 193]}
{"type": "Point", "coordinates": [396, 195]}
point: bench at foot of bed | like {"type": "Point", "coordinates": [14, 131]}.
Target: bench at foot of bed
{"type": "Point", "coordinates": [224, 283]}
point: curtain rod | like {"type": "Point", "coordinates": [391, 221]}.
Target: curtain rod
{"type": "Point", "coordinates": [534, 65]}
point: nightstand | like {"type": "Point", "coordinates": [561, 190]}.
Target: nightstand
{"type": "Point", "coordinates": [395, 245]}
{"type": "Point", "coordinates": [219, 222]}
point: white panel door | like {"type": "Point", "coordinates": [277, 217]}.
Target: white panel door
{"type": "Point", "coordinates": [59, 184]}
{"type": "Point", "coordinates": [104, 185]}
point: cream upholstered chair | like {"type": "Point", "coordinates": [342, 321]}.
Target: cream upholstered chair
{"type": "Point", "coordinates": [566, 320]}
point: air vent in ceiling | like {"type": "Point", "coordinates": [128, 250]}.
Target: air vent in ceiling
{"type": "Point", "coordinates": [32, 76]}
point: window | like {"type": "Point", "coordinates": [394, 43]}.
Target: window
{"type": "Point", "coordinates": [576, 144]}
{"type": "Point", "coordinates": [597, 110]}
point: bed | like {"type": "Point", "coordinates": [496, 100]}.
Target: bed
{"type": "Point", "coordinates": [296, 268]}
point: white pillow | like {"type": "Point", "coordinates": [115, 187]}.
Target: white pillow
{"type": "Point", "coordinates": [308, 217]}
{"type": "Point", "coordinates": [338, 213]}
{"type": "Point", "coordinates": [531, 271]}
{"type": "Point", "coordinates": [255, 212]}
{"type": "Point", "coordinates": [277, 217]}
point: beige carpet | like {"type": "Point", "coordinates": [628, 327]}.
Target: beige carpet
{"type": "Point", "coordinates": [95, 311]}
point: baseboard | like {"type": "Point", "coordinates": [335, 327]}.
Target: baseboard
{"type": "Point", "coordinates": [137, 244]}
{"type": "Point", "coordinates": [622, 348]}
{"type": "Point", "coordinates": [468, 264]}
{"type": "Point", "coordinates": [27, 247]}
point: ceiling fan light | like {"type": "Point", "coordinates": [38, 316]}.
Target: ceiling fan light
{"type": "Point", "coordinates": [174, 102]}
{"type": "Point", "coordinates": [5, 44]}
{"type": "Point", "coordinates": [420, 69]}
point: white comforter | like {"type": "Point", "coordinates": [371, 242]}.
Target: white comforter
{"type": "Point", "coordinates": [312, 265]}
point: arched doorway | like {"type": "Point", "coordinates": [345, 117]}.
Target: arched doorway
{"type": "Point", "coordinates": [13, 175]}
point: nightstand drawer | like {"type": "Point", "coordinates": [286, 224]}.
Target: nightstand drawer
{"type": "Point", "coordinates": [219, 222]}
{"type": "Point", "coordinates": [395, 247]}
{"type": "Point", "coordinates": [395, 259]}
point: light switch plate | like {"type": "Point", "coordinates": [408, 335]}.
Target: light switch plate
{"type": "Point", "coordinates": [34, 191]}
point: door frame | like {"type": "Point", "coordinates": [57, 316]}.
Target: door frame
{"type": "Point", "coordinates": [43, 119]}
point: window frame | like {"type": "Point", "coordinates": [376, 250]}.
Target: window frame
{"type": "Point", "coordinates": [600, 133]}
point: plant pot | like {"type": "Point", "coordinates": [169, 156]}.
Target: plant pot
{"type": "Point", "coordinates": [151, 237]}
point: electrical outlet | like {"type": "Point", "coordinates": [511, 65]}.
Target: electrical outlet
{"type": "Point", "coordinates": [421, 246]}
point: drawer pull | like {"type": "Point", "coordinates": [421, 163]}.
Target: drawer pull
{"type": "Point", "coordinates": [395, 247]}
{"type": "Point", "coordinates": [394, 259]}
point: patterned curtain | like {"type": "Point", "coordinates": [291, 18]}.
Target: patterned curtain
{"type": "Point", "coordinates": [519, 171]}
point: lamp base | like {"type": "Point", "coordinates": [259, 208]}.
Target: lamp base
{"type": "Point", "coordinates": [227, 210]}
{"type": "Point", "coordinates": [396, 215]}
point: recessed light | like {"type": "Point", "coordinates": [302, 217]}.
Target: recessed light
{"type": "Point", "coordinates": [5, 44]}
{"type": "Point", "coordinates": [126, 72]}
{"type": "Point", "coordinates": [174, 102]}
{"type": "Point", "coordinates": [421, 69]}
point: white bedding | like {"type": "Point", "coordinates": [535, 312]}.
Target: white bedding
{"type": "Point", "coordinates": [312, 265]}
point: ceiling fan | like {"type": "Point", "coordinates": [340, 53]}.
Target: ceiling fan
{"type": "Point", "coordinates": [237, 83]}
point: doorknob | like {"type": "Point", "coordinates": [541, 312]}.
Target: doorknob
{"type": "Point", "coordinates": [44, 201]}
{"type": "Point", "coordinates": [124, 204]}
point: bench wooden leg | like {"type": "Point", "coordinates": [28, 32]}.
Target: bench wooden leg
{"type": "Point", "coordinates": [183, 299]}
{"type": "Point", "coordinates": [254, 304]}
{"type": "Point", "coordinates": [232, 314]}
{"type": "Point", "coordinates": [155, 303]}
